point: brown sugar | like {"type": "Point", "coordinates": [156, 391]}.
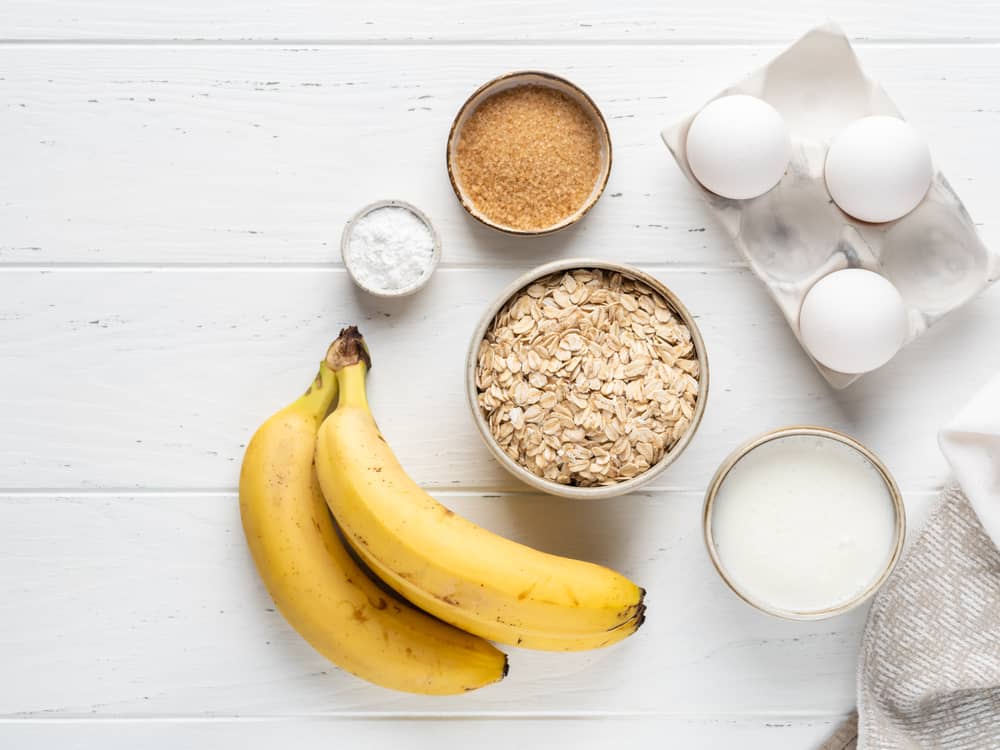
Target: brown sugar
{"type": "Point", "coordinates": [528, 157]}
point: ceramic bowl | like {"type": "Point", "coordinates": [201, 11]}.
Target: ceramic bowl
{"type": "Point", "coordinates": [513, 80]}
{"type": "Point", "coordinates": [555, 488]}
{"type": "Point", "coordinates": [345, 238]}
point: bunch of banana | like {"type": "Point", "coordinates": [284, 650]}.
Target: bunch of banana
{"type": "Point", "coordinates": [319, 588]}
{"type": "Point", "coordinates": [299, 467]}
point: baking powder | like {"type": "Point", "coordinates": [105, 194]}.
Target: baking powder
{"type": "Point", "coordinates": [390, 249]}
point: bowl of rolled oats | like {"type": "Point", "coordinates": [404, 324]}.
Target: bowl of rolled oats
{"type": "Point", "coordinates": [587, 378]}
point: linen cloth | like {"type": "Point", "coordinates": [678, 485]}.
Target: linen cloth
{"type": "Point", "coordinates": [929, 670]}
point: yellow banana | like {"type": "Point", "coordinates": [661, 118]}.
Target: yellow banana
{"type": "Point", "coordinates": [320, 589]}
{"type": "Point", "coordinates": [446, 565]}
{"type": "Point", "coordinates": [501, 632]}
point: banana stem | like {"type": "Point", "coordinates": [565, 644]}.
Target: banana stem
{"type": "Point", "coordinates": [348, 357]}
{"type": "Point", "coordinates": [351, 380]}
{"type": "Point", "coordinates": [347, 350]}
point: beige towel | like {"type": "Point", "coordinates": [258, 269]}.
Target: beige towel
{"type": "Point", "coordinates": [929, 671]}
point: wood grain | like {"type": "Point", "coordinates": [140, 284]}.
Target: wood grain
{"type": "Point", "coordinates": [439, 20]}
{"type": "Point", "coordinates": [258, 155]}
{"type": "Point", "coordinates": [691, 733]}
{"type": "Point", "coordinates": [148, 605]}
{"type": "Point", "coordinates": [156, 379]}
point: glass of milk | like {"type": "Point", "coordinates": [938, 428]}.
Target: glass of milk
{"type": "Point", "coordinates": [804, 523]}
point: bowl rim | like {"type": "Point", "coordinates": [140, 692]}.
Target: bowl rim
{"type": "Point", "coordinates": [603, 133]}
{"type": "Point", "coordinates": [345, 238]}
{"type": "Point", "coordinates": [565, 490]}
{"type": "Point", "coordinates": [733, 458]}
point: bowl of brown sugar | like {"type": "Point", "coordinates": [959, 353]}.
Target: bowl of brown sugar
{"type": "Point", "coordinates": [529, 153]}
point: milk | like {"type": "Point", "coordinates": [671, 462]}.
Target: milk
{"type": "Point", "coordinates": [803, 524]}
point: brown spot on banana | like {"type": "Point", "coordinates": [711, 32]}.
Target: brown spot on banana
{"type": "Point", "coordinates": [317, 383]}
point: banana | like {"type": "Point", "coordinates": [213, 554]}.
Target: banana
{"type": "Point", "coordinates": [444, 564]}
{"type": "Point", "coordinates": [320, 589]}
{"type": "Point", "coordinates": [541, 641]}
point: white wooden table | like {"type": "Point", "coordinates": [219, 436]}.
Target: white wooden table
{"type": "Point", "coordinates": [174, 177]}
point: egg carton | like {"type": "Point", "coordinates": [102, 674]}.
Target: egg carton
{"type": "Point", "coordinates": [794, 235]}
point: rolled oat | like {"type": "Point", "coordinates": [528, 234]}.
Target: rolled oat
{"type": "Point", "coordinates": [587, 377]}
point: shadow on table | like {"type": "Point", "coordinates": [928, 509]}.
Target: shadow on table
{"type": "Point", "coordinates": [600, 531]}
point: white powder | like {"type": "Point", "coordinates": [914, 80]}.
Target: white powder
{"type": "Point", "coordinates": [390, 248]}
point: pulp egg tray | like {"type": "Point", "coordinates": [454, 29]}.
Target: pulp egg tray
{"type": "Point", "coordinates": [795, 234]}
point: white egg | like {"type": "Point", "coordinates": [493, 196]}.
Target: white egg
{"type": "Point", "coordinates": [878, 169]}
{"type": "Point", "coordinates": [853, 321]}
{"type": "Point", "coordinates": [738, 146]}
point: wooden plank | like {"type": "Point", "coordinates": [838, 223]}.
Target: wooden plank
{"type": "Point", "coordinates": [135, 378]}
{"type": "Point", "coordinates": [583, 20]}
{"type": "Point", "coordinates": [249, 154]}
{"type": "Point", "coordinates": [691, 733]}
{"type": "Point", "coordinates": [147, 605]}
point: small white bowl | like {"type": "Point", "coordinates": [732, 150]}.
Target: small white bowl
{"type": "Point", "coordinates": [569, 490]}
{"type": "Point", "coordinates": [405, 291]}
